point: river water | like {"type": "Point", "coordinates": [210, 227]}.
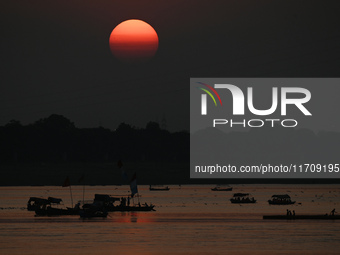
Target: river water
{"type": "Point", "coordinates": [189, 219]}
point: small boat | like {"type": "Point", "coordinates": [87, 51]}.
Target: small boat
{"type": "Point", "coordinates": [158, 188]}
{"type": "Point", "coordinates": [242, 198]}
{"type": "Point", "coordinates": [281, 200]}
{"type": "Point", "coordinates": [302, 217]}
{"type": "Point", "coordinates": [222, 188]}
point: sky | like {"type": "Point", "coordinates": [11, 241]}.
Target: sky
{"type": "Point", "coordinates": [56, 59]}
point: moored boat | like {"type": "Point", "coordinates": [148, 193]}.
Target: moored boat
{"type": "Point", "coordinates": [222, 188]}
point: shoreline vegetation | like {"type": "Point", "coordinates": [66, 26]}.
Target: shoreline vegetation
{"type": "Point", "coordinates": [45, 152]}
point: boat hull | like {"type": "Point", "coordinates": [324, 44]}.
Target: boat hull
{"type": "Point", "coordinates": [281, 203]}
{"type": "Point", "coordinates": [91, 214]}
{"type": "Point", "coordinates": [301, 217]}
{"type": "Point", "coordinates": [55, 212]}
{"type": "Point", "coordinates": [222, 189]}
{"type": "Point", "coordinates": [242, 202]}
{"type": "Point", "coordinates": [130, 208]}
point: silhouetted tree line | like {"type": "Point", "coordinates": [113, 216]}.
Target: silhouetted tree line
{"type": "Point", "coordinates": [56, 139]}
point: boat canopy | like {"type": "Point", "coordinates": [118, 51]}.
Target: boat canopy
{"type": "Point", "coordinates": [241, 194]}
{"type": "Point", "coordinates": [285, 196]}
{"type": "Point", "coordinates": [105, 198]}
{"type": "Point", "coordinates": [55, 200]}
{"type": "Point", "coordinates": [39, 200]}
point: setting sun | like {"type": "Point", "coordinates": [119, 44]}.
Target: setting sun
{"type": "Point", "coordinates": [133, 41]}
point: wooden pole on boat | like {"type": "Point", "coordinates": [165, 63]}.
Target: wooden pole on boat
{"type": "Point", "coordinates": [83, 192]}
{"type": "Point", "coordinates": [71, 196]}
{"type": "Point", "coordinates": [67, 183]}
{"type": "Point", "coordinates": [81, 179]}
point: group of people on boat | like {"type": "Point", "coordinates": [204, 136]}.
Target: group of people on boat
{"type": "Point", "coordinates": [240, 198]}
{"type": "Point", "coordinates": [281, 200]}
{"type": "Point", "coordinates": [245, 199]}
{"type": "Point", "coordinates": [125, 201]}
{"type": "Point", "coordinates": [292, 214]}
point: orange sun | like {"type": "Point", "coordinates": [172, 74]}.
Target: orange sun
{"type": "Point", "coordinates": [133, 41]}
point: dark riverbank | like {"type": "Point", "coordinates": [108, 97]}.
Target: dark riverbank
{"type": "Point", "coordinates": [108, 173]}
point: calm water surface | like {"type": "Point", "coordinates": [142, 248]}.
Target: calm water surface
{"type": "Point", "coordinates": [190, 219]}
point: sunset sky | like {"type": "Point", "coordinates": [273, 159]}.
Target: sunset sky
{"type": "Point", "coordinates": [56, 58]}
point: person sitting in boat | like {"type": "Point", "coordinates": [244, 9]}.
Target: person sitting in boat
{"type": "Point", "coordinates": [77, 206]}
{"type": "Point", "coordinates": [333, 212]}
{"type": "Point", "coordinates": [122, 201]}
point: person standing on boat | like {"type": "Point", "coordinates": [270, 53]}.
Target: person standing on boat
{"type": "Point", "coordinates": [333, 212]}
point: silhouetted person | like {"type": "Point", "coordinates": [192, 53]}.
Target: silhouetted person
{"type": "Point", "coordinates": [333, 212]}
{"type": "Point", "coordinates": [77, 206]}
{"type": "Point", "coordinates": [294, 213]}
{"type": "Point", "coordinates": [287, 212]}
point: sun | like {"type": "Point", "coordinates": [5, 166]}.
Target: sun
{"type": "Point", "coordinates": [133, 41]}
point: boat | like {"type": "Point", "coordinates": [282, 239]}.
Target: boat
{"type": "Point", "coordinates": [242, 198]}
{"type": "Point", "coordinates": [158, 188]}
{"type": "Point", "coordinates": [302, 217]}
{"type": "Point", "coordinates": [47, 209]}
{"type": "Point", "coordinates": [107, 202]}
{"type": "Point", "coordinates": [281, 200]}
{"type": "Point", "coordinates": [222, 188]}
